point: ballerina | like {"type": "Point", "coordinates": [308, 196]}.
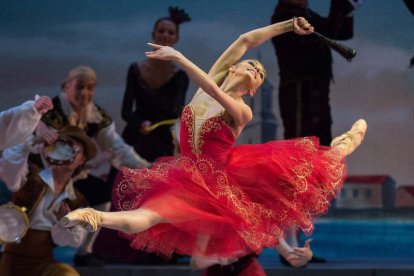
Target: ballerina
{"type": "Point", "coordinates": [217, 201]}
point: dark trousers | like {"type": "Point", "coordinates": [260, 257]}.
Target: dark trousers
{"type": "Point", "coordinates": [305, 109]}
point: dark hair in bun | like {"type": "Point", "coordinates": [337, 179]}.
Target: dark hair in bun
{"type": "Point", "coordinates": [177, 16]}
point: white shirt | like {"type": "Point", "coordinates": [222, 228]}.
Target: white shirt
{"type": "Point", "coordinates": [17, 124]}
{"type": "Point", "coordinates": [13, 171]}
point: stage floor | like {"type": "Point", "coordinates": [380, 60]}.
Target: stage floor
{"type": "Point", "coordinates": [400, 267]}
{"type": "Point", "coordinates": [354, 242]}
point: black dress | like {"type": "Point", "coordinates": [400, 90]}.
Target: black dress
{"type": "Point", "coordinates": [142, 103]}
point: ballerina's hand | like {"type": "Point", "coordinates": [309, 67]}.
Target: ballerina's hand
{"type": "Point", "coordinates": [301, 255]}
{"type": "Point", "coordinates": [162, 52]}
{"type": "Point", "coordinates": [301, 26]}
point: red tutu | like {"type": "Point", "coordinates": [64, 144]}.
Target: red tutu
{"type": "Point", "coordinates": [225, 201]}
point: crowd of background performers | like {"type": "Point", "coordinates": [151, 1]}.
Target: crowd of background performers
{"type": "Point", "coordinates": [51, 181]}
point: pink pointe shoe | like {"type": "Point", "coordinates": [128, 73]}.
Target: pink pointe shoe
{"type": "Point", "coordinates": [88, 218]}
{"type": "Point", "coordinates": [351, 139]}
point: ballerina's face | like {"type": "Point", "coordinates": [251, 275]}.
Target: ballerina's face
{"type": "Point", "coordinates": [165, 33]}
{"type": "Point", "coordinates": [253, 70]}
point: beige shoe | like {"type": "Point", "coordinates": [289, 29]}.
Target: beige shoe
{"type": "Point", "coordinates": [350, 140]}
{"type": "Point", "coordinates": [88, 218]}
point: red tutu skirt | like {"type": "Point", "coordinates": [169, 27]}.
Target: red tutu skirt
{"type": "Point", "coordinates": [216, 210]}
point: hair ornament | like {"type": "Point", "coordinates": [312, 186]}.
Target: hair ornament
{"type": "Point", "coordinates": [178, 15]}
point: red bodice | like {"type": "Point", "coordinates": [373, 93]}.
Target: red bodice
{"type": "Point", "coordinates": [213, 139]}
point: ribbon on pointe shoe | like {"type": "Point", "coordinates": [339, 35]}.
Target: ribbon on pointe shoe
{"type": "Point", "coordinates": [88, 218]}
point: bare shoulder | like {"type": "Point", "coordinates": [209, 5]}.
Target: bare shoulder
{"type": "Point", "coordinates": [247, 111]}
{"type": "Point", "coordinates": [246, 114]}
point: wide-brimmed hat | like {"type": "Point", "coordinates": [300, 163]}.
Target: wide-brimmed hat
{"type": "Point", "coordinates": [79, 135]}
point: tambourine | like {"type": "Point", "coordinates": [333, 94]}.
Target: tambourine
{"type": "Point", "coordinates": [14, 223]}
{"type": "Point", "coordinates": [61, 152]}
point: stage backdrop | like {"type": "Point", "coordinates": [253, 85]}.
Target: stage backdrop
{"type": "Point", "coordinates": [41, 40]}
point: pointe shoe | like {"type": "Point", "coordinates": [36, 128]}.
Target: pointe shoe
{"type": "Point", "coordinates": [351, 139]}
{"type": "Point", "coordinates": [88, 218]}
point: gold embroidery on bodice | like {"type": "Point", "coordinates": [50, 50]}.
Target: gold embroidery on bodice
{"type": "Point", "coordinates": [207, 116]}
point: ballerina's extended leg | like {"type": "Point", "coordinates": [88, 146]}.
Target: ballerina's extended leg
{"type": "Point", "coordinates": [133, 221]}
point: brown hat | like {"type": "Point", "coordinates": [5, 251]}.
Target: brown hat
{"type": "Point", "coordinates": [80, 72]}
{"type": "Point", "coordinates": [79, 135]}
